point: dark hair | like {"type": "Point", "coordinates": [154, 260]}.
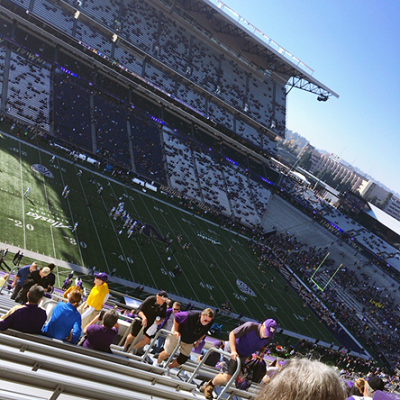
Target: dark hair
{"type": "Point", "coordinates": [169, 303]}
{"type": "Point", "coordinates": [51, 266]}
{"type": "Point", "coordinates": [35, 293]}
{"type": "Point", "coordinates": [110, 318]}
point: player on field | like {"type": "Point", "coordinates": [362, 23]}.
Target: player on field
{"type": "Point", "coordinates": [27, 192]}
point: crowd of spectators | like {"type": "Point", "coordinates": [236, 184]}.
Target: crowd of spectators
{"type": "Point", "coordinates": [370, 314]}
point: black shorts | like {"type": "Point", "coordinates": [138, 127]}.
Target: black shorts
{"type": "Point", "coordinates": [136, 326]}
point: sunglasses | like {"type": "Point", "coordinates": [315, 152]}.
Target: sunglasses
{"type": "Point", "coordinates": [177, 309]}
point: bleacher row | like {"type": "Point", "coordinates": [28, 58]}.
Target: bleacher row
{"type": "Point", "coordinates": [38, 367]}
{"type": "Point", "coordinates": [174, 45]}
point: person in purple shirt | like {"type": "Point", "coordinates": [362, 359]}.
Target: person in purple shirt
{"type": "Point", "coordinates": [28, 318]}
{"type": "Point", "coordinates": [243, 342]}
{"type": "Point", "coordinates": [191, 327]}
{"type": "Point", "coordinates": [100, 337]}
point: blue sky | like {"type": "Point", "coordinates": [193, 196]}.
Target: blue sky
{"type": "Point", "coordinates": [354, 48]}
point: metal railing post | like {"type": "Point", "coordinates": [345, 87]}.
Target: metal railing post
{"type": "Point", "coordinates": [225, 353]}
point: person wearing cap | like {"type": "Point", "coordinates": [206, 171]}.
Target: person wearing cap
{"type": "Point", "coordinates": [148, 311]}
{"type": "Point", "coordinates": [96, 299]}
{"type": "Point", "coordinates": [36, 277]}
{"type": "Point", "coordinates": [372, 385]}
{"type": "Point", "coordinates": [28, 318]}
{"type": "Point", "coordinates": [50, 279]}
{"type": "Point", "coordinates": [21, 277]}
{"type": "Point", "coordinates": [191, 327]}
{"type": "Point", "coordinates": [65, 322]}
{"type": "Point", "coordinates": [245, 340]}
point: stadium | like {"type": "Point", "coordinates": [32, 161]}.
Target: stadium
{"type": "Point", "coordinates": [139, 138]}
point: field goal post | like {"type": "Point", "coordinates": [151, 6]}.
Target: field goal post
{"type": "Point", "coordinates": [322, 288]}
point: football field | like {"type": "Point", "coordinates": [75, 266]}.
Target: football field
{"type": "Point", "coordinates": [217, 266]}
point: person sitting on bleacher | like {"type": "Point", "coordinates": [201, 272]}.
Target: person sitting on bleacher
{"type": "Point", "coordinates": [28, 318]}
{"type": "Point", "coordinates": [65, 322]}
{"type": "Point", "coordinates": [100, 337]}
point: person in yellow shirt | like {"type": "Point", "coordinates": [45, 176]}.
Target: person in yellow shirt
{"type": "Point", "coordinates": [96, 300]}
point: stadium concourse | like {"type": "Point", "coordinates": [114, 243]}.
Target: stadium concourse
{"type": "Point", "coordinates": [161, 91]}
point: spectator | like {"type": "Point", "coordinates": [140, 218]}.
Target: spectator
{"type": "Point", "coordinates": [166, 324]}
{"type": "Point", "coordinates": [303, 379]}
{"type": "Point", "coordinates": [100, 337]}
{"type": "Point", "coordinates": [214, 357]}
{"type": "Point", "coordinates": [50, 279]}
{"type": "Point", "coordinates": [358, 388]}
{"type": "Point", "coordinates": [149, 310]}
{"type": "Point", "coordinates": [21, 277]}
{"type": "Point", "coordinates": [97, 298]}
{"type": "Point", "coordinates": [371, 385]}
{"type": "Point", "coordinates": [65, 322]}
{"type": "Point", "coordinates": [191, 327]}
{"type": "Point", "coordinates": [3, 280]}
{"type": "Point", "coordinates": [243, 342]}
{"type": "Point", "coordinates": [37, 277]}
{"type": "Point", "coordinates": [28, 318]}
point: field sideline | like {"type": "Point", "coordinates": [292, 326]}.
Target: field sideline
{"type": "Point", "coordinates": [211, 273]}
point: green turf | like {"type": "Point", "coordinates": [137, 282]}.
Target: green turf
{"type": "Point", "coordinates": [43, 224]}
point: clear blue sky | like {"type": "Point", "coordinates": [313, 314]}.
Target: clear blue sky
{"type": "Point", "coordinates": [354, 48]}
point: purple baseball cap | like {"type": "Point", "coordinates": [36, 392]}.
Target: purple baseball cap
{"type": "Point", "coordinates": [270, 328]}
{"type": "Point", "coordinates": [102, 276]}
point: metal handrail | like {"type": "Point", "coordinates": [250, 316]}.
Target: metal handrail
{"type": "Point", "coordinates": [158, 334]}
{"type": "Point", "coordinates": [225, 353]}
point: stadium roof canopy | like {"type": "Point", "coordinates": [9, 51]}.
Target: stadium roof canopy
{"type": "Point", "coordinates": [255, 45]}
{"type": "Point", "coordinates": [384, 218]}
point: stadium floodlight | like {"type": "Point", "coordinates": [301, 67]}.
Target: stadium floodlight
{"type": "Point", "coordinates": [77, 14]}
{"type": "Point", "coordinates": [322, 98]}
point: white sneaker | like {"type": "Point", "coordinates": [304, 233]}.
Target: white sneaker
{"type": "Point", "coordinates": [158, 364]}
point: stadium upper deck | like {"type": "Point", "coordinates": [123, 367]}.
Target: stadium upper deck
{"type": "Point", "coordinates": [253, 46]}
{"type": "Point", "coordinates": [193, 53]}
